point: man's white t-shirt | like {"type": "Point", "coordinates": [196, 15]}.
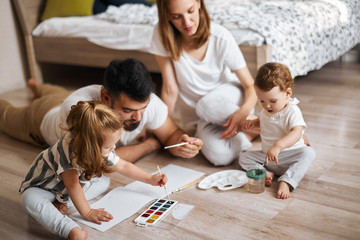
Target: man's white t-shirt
{"type": "Point", "coordinates": [51, 126]}
{"type": "Point", "coordinates": [197, 78]}
{"type": "Point", "coordinates": [277, 125]}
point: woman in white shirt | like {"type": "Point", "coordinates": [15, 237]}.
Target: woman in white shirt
{"type": "Point", "coordinates": [205, 79]}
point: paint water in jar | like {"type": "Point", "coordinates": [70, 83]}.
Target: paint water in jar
{"type": "Point", "coordinates": [256, 183]}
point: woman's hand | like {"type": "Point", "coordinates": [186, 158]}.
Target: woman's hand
{"type": "Point", "coordinates": [247, 124]}
{"type": "Point", "coordinates": [98, 215]}
{"type": "Point", "coordinates": [234, 124]}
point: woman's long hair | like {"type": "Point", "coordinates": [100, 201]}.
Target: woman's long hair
{"type": "Point", "coordinates": [171, 37]}
{"type": "Point", "coordinates": [88, 122]}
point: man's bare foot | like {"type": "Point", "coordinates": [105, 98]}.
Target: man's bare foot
{"type": "Point", "coordinates": [283, 191]}
{"type": "Point", "coordinates": [77, 234]}
{"type": "Point", "coordinates": [269, 178]}
{"type": "Point", "coordinates": [34, 86]}
{"type": "Point", "coordinates": [62, 207]}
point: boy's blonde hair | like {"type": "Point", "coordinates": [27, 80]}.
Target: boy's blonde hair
{"type": "Point", "coordinates": [88, 122]}
{"type": "Point", "coordinates": [171, 37]}
{"type": "Point", "coordinates": [274, 74]}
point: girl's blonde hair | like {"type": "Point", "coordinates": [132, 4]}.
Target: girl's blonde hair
{"type": "Point", "coordinates": [274, 74]}
{"type": "Point", "coordinates": [171, 37]}
{"type": "Point", "coordinates": [88, 122]}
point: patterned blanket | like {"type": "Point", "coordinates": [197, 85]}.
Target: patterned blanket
{"type": "Point", "coordinates": [304, 35]}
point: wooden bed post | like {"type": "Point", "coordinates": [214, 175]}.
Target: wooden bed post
{"type": "Point", "coordinates": [256, 56]}
{"type": "Point", "coordinates": [263, 55]}
{"type": "Point", "coordinates": [28, 13]}
{"type": "Point", "coordinates": [35, 70]}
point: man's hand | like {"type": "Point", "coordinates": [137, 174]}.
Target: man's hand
{"type": "Point", "coordinates": [191, 149]}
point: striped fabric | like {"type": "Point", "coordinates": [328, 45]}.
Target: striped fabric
{"type": "Point", "coordinates": [45, 171]}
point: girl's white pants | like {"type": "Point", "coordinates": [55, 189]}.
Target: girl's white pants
{"type": "Point", "coordinates": [38, 203]}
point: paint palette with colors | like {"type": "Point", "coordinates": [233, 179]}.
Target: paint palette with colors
{"type": "Point", "coordinates": [224, 180]}
{"type": "Point", "coordinates": [155, 212]}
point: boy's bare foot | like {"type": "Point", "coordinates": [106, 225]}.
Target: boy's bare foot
{"type": "Point", "coordinates": [77, 234]}
{"type": "Point", "coordinates": [269, 178]}
{"type": "Point", "coordinates": [62, 207]}
{"type": "Point", "coordinates": [283, 191]}
{"type": "Point", "coordinates": [34, 86]}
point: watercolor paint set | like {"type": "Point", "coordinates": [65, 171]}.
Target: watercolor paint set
{"type": "Point", "coordinates": [156, 212]}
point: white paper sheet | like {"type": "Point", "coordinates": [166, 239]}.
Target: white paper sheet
{"type": "Point", "coordinates": [123, 202]}
{"type": "Point", "coordinates": [177, 177]}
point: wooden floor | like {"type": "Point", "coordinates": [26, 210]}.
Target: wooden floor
{"type": "Point", "coordinates": [326, 204]}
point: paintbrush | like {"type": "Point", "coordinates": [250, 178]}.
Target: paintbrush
{"type": "Point", "coordinates": [187, 185]}
{"type": "Point", "coordinates": [176, 145]}
{"type": "Point", "coordinates": [164, 185]}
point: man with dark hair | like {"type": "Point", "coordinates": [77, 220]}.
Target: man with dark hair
{"type": "Point", "coordinates": [127, 89]}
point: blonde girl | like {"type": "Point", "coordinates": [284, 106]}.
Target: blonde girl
{"type": "Point", "coordinates": [63, 171]}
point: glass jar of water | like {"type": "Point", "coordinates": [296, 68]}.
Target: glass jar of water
{"type": "Point", "coordinates": [256, 183]}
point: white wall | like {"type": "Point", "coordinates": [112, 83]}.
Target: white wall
{"type": "Point", "coordinates": [12, 59]}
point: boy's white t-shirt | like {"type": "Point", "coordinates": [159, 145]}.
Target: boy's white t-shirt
{"type": "Point", "coordinates": [197, 78]}
{"type": "Point", "coordinates": [277, 125]}
{"type": "Point", "coordinates": [154, 116]}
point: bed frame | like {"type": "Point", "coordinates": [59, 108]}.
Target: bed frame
{"type": "Point", "coordinates": [81, 52]}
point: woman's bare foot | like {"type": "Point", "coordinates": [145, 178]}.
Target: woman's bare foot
{"type": "Point", "coordinates": [306, 140]}
{"type": "Point", "coordinates": [62, 207]}
{"type": "Point", "coordinates": [283, 191]}
{"type": "Point", "coordinates": [269, 178]}
{"type": "Point", "coordinates": [77, 234]}
{"type": "Point", "coordinates": [34, 86]}
{"type": "Point", "coordinates": [252, 133]}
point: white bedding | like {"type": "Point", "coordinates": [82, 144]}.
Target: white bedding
{"type": "Point", "coordinates": [103, 33]}
{"type": "Point", "coordinates": [131, 33]}
{"type": "Point", "coordinates": [303, 34]}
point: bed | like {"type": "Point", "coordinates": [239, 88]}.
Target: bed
{"type": "Point", "coordinates": [302, 34]}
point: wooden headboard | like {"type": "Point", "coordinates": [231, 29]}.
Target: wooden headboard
{"type": "Point", "coordinates": [81, 52]}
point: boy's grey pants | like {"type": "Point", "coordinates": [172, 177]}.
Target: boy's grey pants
{"type": "Point", "coordinates": [292, 166]}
